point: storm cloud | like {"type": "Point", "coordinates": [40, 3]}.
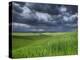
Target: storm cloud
{"type": "Point", "coordinates": [43, 17]}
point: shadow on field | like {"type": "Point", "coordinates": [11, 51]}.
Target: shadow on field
{"type": "Point", "coordinates": [32, 37]}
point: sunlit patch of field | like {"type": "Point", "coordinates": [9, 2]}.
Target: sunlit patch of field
{"type": "Point", "coordinates": [44, 44]}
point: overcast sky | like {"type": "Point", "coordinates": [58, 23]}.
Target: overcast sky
{"type": "Point", "coordinates": [43, 17]}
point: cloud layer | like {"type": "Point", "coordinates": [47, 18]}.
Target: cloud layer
{"type": "Point", "coordinates": [43, 17]}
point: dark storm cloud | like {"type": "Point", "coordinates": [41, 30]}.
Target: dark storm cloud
{"type": "Point", "coordinates": [19, 27]}
{"type": "Point", "coordinates": [45, 8]}
{"type": "Point", "coordinates": [72, 9]}
{"type": "Point", "coordinates": [49, 8]}
{"type": "Point", "coordinates": [16, 10]}
{"type": "Point", "coordinates": [20, 3]}
{"type": "Point", "coordinates": [16, 17]}
{"type": "Point", "coordinates": [17, 7]}
{"type": "Point", "coordinates": [44, 17]}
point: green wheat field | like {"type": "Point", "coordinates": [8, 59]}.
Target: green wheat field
{"type": "Point", "coordinates": [25, 45]}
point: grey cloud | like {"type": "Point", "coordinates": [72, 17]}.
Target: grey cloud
{"type": "Point", "coordinates": [17, 7]}
{"type": "Point", "coordinates": [19, 27]}
{"type": "Point", "coordinates": [43, 17]}
{"type": "Point", "coordinates": [71, 25]}
{"type": "Point", "coordinates": [21, 4]}
{"type": "Point", "coordinates": [45, 8]}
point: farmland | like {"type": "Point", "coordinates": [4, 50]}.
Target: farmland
{"type": "Point", "coordinates": [25, 45]}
